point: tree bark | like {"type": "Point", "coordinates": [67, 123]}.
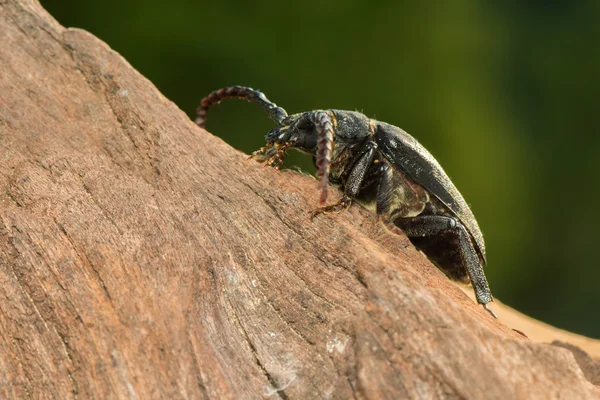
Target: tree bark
{"type": "Point", "coordinates": [141, 257]}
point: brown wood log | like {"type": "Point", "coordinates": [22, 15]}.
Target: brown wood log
{"type": "Point", "coordinates": [141, 257]}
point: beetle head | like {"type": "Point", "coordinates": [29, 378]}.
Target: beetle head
{"type": "Point", "coordinates": [311, 132]}
{"type": "Point", "coordinates": [297, 131]}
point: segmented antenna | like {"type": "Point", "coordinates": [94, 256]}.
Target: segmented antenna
{"type": "Point", "coordinates": [254, 96]}
{"type": "Point", "coordinates": [325, 129]}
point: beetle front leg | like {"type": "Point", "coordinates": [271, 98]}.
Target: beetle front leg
{"type": "Point", "coordinates": [431, 225]}
{"type": "Point", "coordinates": [353, 183]}
{"type": "Point", "coordinates": [272, 155]}
{"type": "Point", "coordinates": [342, 205]}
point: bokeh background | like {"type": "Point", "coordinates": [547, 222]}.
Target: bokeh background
{"type": "Point", "coordinates": [505, 95]}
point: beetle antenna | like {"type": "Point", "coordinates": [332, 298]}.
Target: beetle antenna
{"type": "Point", "coordinates": [325, 123]}
{"type": "Point", "coordinates": [254, 96]}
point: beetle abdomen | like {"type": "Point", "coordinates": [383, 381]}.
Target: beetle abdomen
{"type": "Point", "coordinates": [406, 154]}
{"type": "Point", "coordinates": [407, 199]}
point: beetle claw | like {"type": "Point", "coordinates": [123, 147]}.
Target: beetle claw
{"type": "Point", "coordinates": [485, 307]}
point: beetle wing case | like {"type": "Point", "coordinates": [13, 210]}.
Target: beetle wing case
{"type": "Point", "coordinates": [408, 155]}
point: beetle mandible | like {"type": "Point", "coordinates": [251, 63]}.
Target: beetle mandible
{"type": "Point", "coordinates": [384, 169]}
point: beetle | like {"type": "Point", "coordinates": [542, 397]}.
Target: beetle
{"type": "Point", "coordinates": [384, 169]}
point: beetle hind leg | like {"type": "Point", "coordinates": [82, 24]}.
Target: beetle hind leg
{"type": "Point", "coordinates": [432, 225]}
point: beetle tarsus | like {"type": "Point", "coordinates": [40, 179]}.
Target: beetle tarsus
{"type": "Point", "coordinates": [485, 307]}
{"type": "Point", "coordinates": [342, 205]}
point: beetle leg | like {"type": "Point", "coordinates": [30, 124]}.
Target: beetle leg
{"type": "Point", "coordinates": [384, 192]}
{"type": "Point", "coordinates": [272, 155]}
{"type": "Point", "coordinates": [359, 170]}
{"type": "Point", "coordinates": [431, 225]}
{"type": "Point", "coordinates": [342, 205]}
{"type": "Point", "coordinates": [261, 154]}
{"type": "Point", "coordinates": [353, 183]}
{"type": "Point", "coordinates": [275, 159]}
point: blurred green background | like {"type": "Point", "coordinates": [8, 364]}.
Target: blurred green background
{"type": "Point", "coordinates": [504, 94]}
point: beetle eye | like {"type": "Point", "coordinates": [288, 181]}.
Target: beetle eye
{"type": "Point", "coordinates": [305, 125]}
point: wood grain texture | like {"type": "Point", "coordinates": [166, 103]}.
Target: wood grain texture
{"type": "Point", "coordinates": [141, 257]}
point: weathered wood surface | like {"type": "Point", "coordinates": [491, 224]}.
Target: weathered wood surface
{"type": "Point", "coordinates": [140, 257]}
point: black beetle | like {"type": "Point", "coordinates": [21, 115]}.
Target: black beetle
{"type": "Point", "coordinates": [384, 169]}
